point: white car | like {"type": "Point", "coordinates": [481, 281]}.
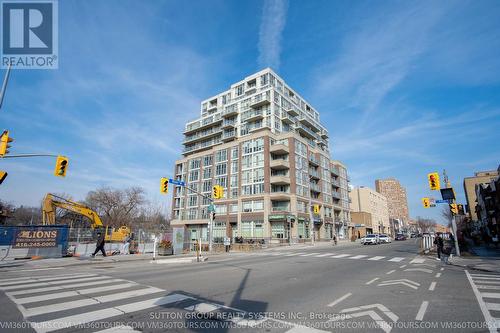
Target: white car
{"type": "Point", "coordinates": [384, 238]}
{"type": "Point", "coordinates": [370, 239]}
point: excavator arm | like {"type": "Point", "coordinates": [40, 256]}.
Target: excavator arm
{"type": "Point", "coordinates": [51, 202]}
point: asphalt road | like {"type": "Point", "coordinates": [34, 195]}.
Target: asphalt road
{"type": "Point", "coordinates": [348, 288]}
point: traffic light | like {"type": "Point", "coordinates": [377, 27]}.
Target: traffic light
{"type": "Point", "coordinates": [3, 175]}
{"type": "Point", "coordinates": [461, 210]}
{"type": "Point", "coordinates": [61, 166]}
{"type": "Point", "coordinates": [4, 143]}
{"type": "Point", "coordinates": [454, 209]}
{"type": "Point", "coordinates": [434, 181]}
{"type": "Point", "coordinates": [164, 185]}
{"type": "Point", "coordinates": [316, 209]}
{"type": "Point", "coordinates": [426, 202]}
{"type": "Point", "coordinates": [217, 192]}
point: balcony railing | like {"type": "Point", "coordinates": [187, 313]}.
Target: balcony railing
{"type": "Point", "coordinates": [313, 160]}
{"type": "Point", "coordinates": [336, 195]}
{"type": "Point", "coordinates": [261, 99]}
{"type": "Point", "coordinates": [335, 170]}
{"type": "Point", "coordinates": [230, 110]}
{"type": "Point", "coordinates": [306, 130]}
{"type": "Point", "coordinates": [201, 135]}
{"type": "Point", "coordinates": [315, 187]}
{"type": "Point", "coordinates": [209, 121]}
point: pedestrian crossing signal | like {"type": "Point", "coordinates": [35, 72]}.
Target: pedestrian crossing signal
{"type": "Point", "coordinates": [426, 202]}
{"type": "Point", "coordinates": [461, 210]}
{"type": "Point", "coordinates": [61, 166]}
{"type": "Point", "coordinates": [217, 192]}
{"type": "Point", "coordinates": [316, 209]}
{"type": "Point", "coordinates": [164, 185]}
{"type": "Point", "coordinates": [434, 181]}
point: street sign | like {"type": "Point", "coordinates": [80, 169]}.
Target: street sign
{"type": "Point", "coordinates": [176, 182]}
{"type": "Point", "coordinates": [441, 201]}
{"type": "Point", "coordinates": [211, 208]}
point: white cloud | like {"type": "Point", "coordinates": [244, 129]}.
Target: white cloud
{"type": "Point", "coordinates": [270, 33]}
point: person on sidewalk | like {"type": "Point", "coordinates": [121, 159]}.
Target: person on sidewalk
{"type": "Point", "coordinates": [100, 245]}
{"type": "Point", "coordinates": [438, 241]}
{"type": "Point", "coordinates": [334, 239]}
{"type": "Point", "coordinates": [126, 245]}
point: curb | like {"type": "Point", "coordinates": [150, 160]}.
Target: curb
{"type": "Point", "coordinates": [177, 260]}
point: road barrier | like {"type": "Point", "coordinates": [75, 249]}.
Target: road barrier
{"type": "Point", "coordinates": [427, 243]}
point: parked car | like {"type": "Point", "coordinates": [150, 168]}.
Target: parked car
{"type": "Point", "coordinates": [400, 237]}
{"type": "Point", "coordinates": [384, 238]}
{"type": "Point", "coordinates": [370, 239]}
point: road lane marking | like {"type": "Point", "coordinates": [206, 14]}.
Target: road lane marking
{"type": "Point", "coordinates": [438, 275]}
{"type": "Point", "coordinates": [359, 256]}
{"type": "Point", "coordinates": [488, 287]}
{"type": "Point", "coordinates": [338, 300]}
{"type": "Point", "coordinates": [67, 286]}
{"type": "Point", "coordinates": [305, 329]}
{"type": "Point", "coordinates": [432, 286]}
{"type": "Point", "coordinates": [325, 254]}
{"type": "Point", "coordinates": [32, 270]}
{"type": "Point", "coordinates": [426, 270]}
{"type": "Point", "coordinates": [422, 310]}
{"type": "Point", "coordinates": [309, 254]}
{"type": "Point", "coordinates": [442, 269]}
{"type": "Point", "coordinates": [390, 272]}
{"type": "Point", "coordinates": [80, 319]}
{"type": "Point", "coordinates": [341, 256]}
{"type": "Point", "coordinates": [487, 281]}
{"type": "Point", "coordinates": [490, 295]}
{"type": "Point", "coordinates": [294, 254]}
{"type": "Point", "coordinates": [482, 305]}
{"type": "Point", "coordinates": [486, 278]}
{"type": "Point", "coordinates": [396, 259]}
{"type": "Point", "coordinates": [376, 258]}
{"type": "Point", "coordinates": [402, 266]}
{"type": "Point", "coordinates": [493, 306]}
{"type": "Point", "coordinates": [37, 280]}
{"type": "Point", "coordinates": [372, 280]}
{"type": "Point", "coordinates": [46, 284]}
{"type": "Point", "coordinates": [417, 261]}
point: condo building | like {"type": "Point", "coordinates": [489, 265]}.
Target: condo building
{"type": "Point", "coordinates": [397, 202]}
{"type": "Point", "coordinates": [367, 201]}
{"type": "Point", "coordinates": [265, 145]}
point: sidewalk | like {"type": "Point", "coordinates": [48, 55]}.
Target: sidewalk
{"type": "Point", "coordinates": [483, 258]}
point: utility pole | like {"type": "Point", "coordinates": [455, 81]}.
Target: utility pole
{"type": "Point", "coordinates": [453, 216]}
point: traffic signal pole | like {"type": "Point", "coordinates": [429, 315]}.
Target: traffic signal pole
{"type": "Point", "coordinates": [453, 219]}
{"type": "Point", "coordinates": [4, 85]}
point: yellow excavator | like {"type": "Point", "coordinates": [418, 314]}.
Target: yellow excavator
{"type": "Point", "coordinates": [51, 202]}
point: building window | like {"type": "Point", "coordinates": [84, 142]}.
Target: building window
{"type": "Point", "coordinates": [207, 160]}
{"type": "Point", "coordinates": [253, 206]}
{"type": "Point", "coordinates": [240, 90]}
{"type": "Point", "coordinates": [234, 153]}
{"type": "Point", "coordinates": [221, 209]}
{"type": "Point", "coordinates": [192, 200]}
{"type": "Point", "coordinates": [233, 208]}
{"type": "Point", "coordinates": [207, 186]}
{"type": "Point", "coordinates": [252, 229]}
{"type": "Point", "coordinates": [194, 176]}
{"type": "Point", "coordinates": [222, 181]}
{"type": "Point", "coordinates": [194, 164]}
{"type": "Point", "coordinates": [278, 230]}
{"type": "Point", "coordinates": [207, 173]}
{"type": "Point", "coordinates": [221, 156]}
{"type": "Point", "coordinates": [221, 169]}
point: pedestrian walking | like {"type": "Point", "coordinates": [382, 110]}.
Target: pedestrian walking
{"type": "Point", "coordinates": [438, 241]}
{"type": "Point", "coordinates": [100, 244]}
{"type": "Point", "coordinates": [335, 239]}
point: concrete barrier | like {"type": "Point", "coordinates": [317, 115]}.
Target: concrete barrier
{"type": "Point", "coordinates": [427, 243]}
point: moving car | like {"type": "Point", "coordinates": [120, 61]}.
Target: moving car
{"type": "Point", "coordinates": [400, 237]}
{"type": "Point", "coordinates": [370, 239]}
{"type": "Point", "coordinates": [384, 238]}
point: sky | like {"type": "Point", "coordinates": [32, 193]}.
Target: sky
{"type": "Point", "coordinates": [404, 87]}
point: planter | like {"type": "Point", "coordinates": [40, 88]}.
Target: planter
{"type": "Point", "coordinates": [162, 251]}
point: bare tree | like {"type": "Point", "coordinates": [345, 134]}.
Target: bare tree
{"type": "Point", "coordinates": [116, 207]}
{"type": "Point", "coordinates": [425, 225]}
{"type": "Point", "coordinates": [447, 215]}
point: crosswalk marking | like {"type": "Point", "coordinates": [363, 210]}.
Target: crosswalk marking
{"type": "Point", "coordinates": [417, 261]}
{"type": "Point", "coordinates": [488, 278]}
{"type": "Point", "coordinates": [493, 306]}
{"type": "Point", "coordinates": [35, 280]}
{"type": "Point", "coordinates": [203, 307]}
{"type": "Point", "coordinates": [48, 283]}
{"type": "Point", "coordinates": [340, 256]}
{"type": "Point", "coordinates": [396, 259]}
{"type": "Point", "coordinates": [67, 286]}
{"type": "Point", "coordinates": [128, 294]}
{"type": "Point", "coordinates": [309, 254]}
{"type": "Point", "coordinates": [294, 254]}
{"type": "Point", "coordinates": [487, 281]}
{"type": "Point", "coordinates": [358, 256]}
{"type": "Point", "coordinates": [324, 255]}
{"type": "Point", "coordinates": [36, 277]}
{"type": "Point", "coordinates": [490, 295]}
{"type": "Point", "coordinates": [488, 287]}
{"type": "Point", "coordinates": [376, 258]}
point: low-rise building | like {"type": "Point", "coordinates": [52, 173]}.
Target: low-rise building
{"type": "Point", "coordinates": [365, 199]}
{"type": "Point", "coordinates": [482, 177]}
